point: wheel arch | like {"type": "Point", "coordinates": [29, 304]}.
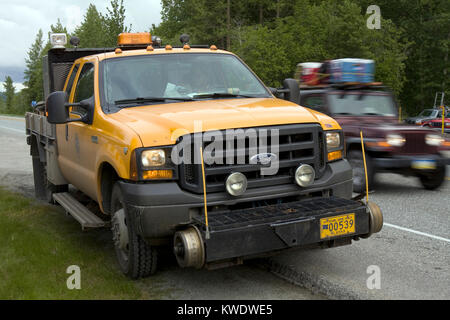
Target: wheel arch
{"type": "Point", "coordinates": [107, 176]}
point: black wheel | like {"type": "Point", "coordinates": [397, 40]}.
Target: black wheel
{"type": "Point", "coordinates": [43, 188]}
{"type": "Point", "coordinates": [355, 157]}
{"type": "Point", "coordinates": [434, 179]}
{"type": "Point", "coordinates": [136, 258]}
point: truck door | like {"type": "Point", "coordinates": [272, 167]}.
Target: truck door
{"type": "Point", "coordinates": [78, 159]}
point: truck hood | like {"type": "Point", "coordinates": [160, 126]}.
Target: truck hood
{"type": "Point", "coordinates": [162, 124]}
{"type": "Point", "coordinates": [376, 127]}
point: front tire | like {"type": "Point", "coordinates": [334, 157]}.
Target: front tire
{"type": "Point", "coordinates": [136, 258]}
{"type": "Point", "coordinates": [434, 179]}
{"type": "Point", "coordinates": [356, 160]}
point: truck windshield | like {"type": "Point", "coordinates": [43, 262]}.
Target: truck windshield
{"type": "Point", "coordinates": [162, 78]}
{"type": "Point", "coordinates": [361, 104]}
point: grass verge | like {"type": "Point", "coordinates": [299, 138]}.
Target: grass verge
{"type": "Point", "coordinates": [39, 242]}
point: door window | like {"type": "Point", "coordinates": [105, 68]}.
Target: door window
{"type": "Point", "coordinates": [85, 87]}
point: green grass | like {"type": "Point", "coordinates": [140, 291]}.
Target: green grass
{"type": "Point", "coordinates": [37, 244]}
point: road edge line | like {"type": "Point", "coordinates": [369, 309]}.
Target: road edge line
{"type": "Point", "coordinates": [416, 232]}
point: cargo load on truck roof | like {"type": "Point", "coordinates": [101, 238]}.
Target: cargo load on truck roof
{"type": "Point", "coordinates": [336, 71]}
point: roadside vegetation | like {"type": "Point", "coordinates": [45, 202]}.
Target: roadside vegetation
{"type": "Point", "coordinates": [39, 242]}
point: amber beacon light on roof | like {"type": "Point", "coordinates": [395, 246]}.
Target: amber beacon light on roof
{"type": "Point", "coordinates": [137, 39]}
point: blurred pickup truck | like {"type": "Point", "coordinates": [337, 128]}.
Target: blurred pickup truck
{"type": "Point", "coordinates": [389, 146]}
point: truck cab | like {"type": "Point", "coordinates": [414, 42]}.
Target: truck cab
{"type": "Point", "coordinates": [186, 146]}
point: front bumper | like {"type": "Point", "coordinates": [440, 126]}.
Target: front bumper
{"type": "Point", "coordinates": [160, 208]}
{"type": "Point", "coordinates": [405, 162]}
{"type": "Point", "coordinates": [253, 232]}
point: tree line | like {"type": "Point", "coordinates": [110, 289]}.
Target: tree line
{"type": "Point", "coordinates": [96, 30]}
{"type": "Point", "coordinates": [273, 36]}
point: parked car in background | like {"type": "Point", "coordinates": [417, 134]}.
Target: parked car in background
{"type": "Point", "coordinates": [436, 124]}
{"type": "Point", "coordinates": [424, 116]}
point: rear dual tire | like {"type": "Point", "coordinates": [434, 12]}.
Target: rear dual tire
{"type": "Point", "coordinates": [43, 188]}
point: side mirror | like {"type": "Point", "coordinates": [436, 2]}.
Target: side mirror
{"type": "Point", "coordinates": [292, 90]}
{"type": "Point", "coordinates": [56, 107]}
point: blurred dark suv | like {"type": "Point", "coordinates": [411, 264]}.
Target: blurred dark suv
{"type": "Point", "coordinates": [390, 146]}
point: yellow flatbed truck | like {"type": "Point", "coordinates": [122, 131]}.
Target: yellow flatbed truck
{"type": "Point", "coordinates": [186, 146]}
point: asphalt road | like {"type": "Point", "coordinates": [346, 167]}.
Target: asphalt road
{"type": "Point", "coordinates": [411, 254]}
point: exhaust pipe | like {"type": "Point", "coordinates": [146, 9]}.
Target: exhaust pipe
{"type": "Point", "coordinates": [189, 248]}
{"type": "Point", "coordinates": [375, 219]}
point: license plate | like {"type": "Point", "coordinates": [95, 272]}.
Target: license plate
{"type": "Point", "coordinates": [424, 164]}
{"type": "Point", "coordinates": [337, 225]}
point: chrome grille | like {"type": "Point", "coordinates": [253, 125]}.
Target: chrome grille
{"type": "Point", "coordinates": [298, 144]}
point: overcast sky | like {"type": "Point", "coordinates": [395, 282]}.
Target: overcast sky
{"type": "Point", "coordinates": [20, 21]}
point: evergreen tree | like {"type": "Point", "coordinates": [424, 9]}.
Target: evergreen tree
{"type": "Point", "coordinates": [33, 71]}
{"type": "Point", "coordinates": [115, 22]}
{"type": "Point", "coordinates": [9, 94]}
{"type": "Point", "coordinates": [93, 30]}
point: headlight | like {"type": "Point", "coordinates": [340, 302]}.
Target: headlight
{"type": "Point", "coordinates": [433, 140]}
{"type": "Point", "coordinates": [395, 140]}
{"type": "Point", "coordinates": [304, 175]}
{"type": "Point", "coordinates": [333, 140]}
{"type": "Point", "coordinates": [418, 121]}
{"type": "Point", "coordinates": [153, 158]}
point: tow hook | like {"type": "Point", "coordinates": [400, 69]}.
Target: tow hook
{"type": "Point", "coordinates": [375, 219]}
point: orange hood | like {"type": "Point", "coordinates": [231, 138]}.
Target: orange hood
{"type": "Point", "coordinates": [159, 125]}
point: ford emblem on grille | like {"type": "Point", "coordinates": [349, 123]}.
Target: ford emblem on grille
{"type": "Point", "coordinates": [263, 158]}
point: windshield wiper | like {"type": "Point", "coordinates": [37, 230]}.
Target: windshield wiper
{"type": "Point", "coordinates": [220, 95]}
{"type": "Point", "coordinates": [372, 114]}
{"type": "Point", "coordinates": [343, 113]}
{"type": "Point", "coordinates": [140, 100]}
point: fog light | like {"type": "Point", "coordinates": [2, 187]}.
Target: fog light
{"type": "Point", "coordinates": [236, 184]}
{"type": "Point", "coordinates": [304, 175]}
